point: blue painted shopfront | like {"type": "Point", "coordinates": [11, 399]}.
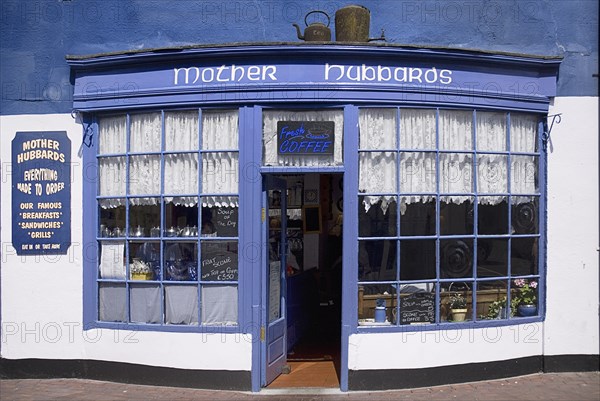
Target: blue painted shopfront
{"type": "Point", "coordinates": [254, 79]}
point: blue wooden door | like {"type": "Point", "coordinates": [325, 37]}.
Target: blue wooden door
{"type": "Point", "coordinates": [274, 256]}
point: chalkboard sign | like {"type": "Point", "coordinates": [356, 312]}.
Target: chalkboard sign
{"type": "Point", "coordinates": [312, 218]}
{"type": "Point", "coordinates": [218, 265]}
{"type": "Point", "coordinates": [305, 138]}
{"type": "Point", "coordinates": [225, 221]}
{"type": "Point", "coordinates": [417, 308]}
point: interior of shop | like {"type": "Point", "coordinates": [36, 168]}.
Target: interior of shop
{"type": "Point", "coordinates": [314, 279]}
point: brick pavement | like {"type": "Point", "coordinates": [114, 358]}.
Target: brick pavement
{"type": "Point", "coordinates": [549, 386]}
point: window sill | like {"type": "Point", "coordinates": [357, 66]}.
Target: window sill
{"type": "Point", "coordinates": [170, 328]}
{"type": "Point", "coordinates": [466, 325]}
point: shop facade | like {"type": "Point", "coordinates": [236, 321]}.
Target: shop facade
{"type": "Point", "coordinates": [236, 199]}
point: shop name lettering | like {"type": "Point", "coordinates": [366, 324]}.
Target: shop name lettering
{"type": "Point", "coordinates": [40, 149]}
{"type": "Point", "coordinates": [333, 72]}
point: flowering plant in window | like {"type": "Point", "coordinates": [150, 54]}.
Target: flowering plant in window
{"type": "Point", "coordinates": [526, 294]}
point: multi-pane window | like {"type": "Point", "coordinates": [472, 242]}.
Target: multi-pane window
{"type": "Point", "coordinates": [168, 218]}
{"type": "Point", "coordinates": [448, 215]}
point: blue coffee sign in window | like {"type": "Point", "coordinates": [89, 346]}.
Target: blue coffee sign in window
{"type": "Point", "coordinates": [41, 193]}
{"type": "Point", "coordinates": [305, 138]}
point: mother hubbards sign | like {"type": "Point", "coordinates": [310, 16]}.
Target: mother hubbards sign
{"type": "Point", "coordinates": [41, 193]}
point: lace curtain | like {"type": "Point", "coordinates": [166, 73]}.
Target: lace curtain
{"type": "Point", "coordinates": [524, 139]}
{"type": "Point", "coordinates": [181, 169]}
{"type": "Point", "coordinates": [112, 171]}
{"type": "Point", "coordinates": [378, 168]}
{"type": "Point", "coordinates": [181, 165]}
{"type": "Point", "coordinates": [270, 119]}
{"type": "Point", "coordinates": [220, 170]}
{"type": "Point", "coordinates": [417, 169]}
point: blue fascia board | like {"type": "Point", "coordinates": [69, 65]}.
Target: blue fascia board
{"type": "Point", "coordinates": [261, 74]}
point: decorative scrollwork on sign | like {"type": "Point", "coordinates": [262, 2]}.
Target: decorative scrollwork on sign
{"type": "Point", "coordinates": [88, 132]}
{"type": "Point", "coordinates": [546, 139]}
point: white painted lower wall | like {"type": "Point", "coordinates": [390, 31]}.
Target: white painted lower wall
{"type": "Point", "coordinates": [572, 322]}
{"type": "Point", "coordinates": [41, 296]}
{"type": "Point", "coordinates": [425, 349]}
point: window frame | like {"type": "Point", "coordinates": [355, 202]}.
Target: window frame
{"type": "Point", "coordinates": [473, 320]}
{"type": "Point", "coordinates": [351, 148]}
{"type": "Point", "coordinates": [91, 224]}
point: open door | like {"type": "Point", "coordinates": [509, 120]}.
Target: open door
{"type": "Point", "coordinates": [274, 347]}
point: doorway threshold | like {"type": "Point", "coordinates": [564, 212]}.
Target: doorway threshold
{"type": "Point", "coordinates": [301, 391]}
{"type": "Point", "coordinates": [315, 375]}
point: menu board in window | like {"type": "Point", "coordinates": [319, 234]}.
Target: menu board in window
{"type": "Point", "coordinates": [417, 308]}
{"type": "Point", "coordinates": [219, 221]}
{"type": "Point", "coordinates": [225, 221]}
{"type": "Point", "coordinates": [218, 264]}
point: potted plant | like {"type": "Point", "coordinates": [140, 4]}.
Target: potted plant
{"type": "Point", "coordinates": [458, 307]}
{"type": "Point", "coordinates": [496, 310]}
{"type": "Point", "coordinates": [525, 298]}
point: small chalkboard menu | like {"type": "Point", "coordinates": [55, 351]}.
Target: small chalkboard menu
{"type": "Point", "coordinates": [305, 138]}
{"type": "Point", "coordinates": [417, 308]}
{"type": "Point", "coordinates": [218, 265]}
{"type": "Point", "coordinates": [225, 221]}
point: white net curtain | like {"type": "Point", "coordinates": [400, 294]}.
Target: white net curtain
{"type": "Point", "coordinates": [181, 169]}
{"type": "Point", "coordinates": [219, 145]}
{"type": "Point", "coordinates": [378, 164]}
{"type": "Point", "coordinates": [220, 170]}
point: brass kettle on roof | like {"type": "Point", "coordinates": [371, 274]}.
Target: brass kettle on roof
{"type": "Point", "coordinates": [352, 25]}
{"type": "Point", "coordinates": [317, 31]}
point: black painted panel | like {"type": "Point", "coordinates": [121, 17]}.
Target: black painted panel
{"type": "Point", "coordinates": [125, 373]}
{"type": "Point", "coordinates": [388, 379]}
{"type": "Point", "coordinates": [572, 363]}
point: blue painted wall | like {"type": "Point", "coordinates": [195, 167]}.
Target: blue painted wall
{"type": "Point", "coordinates": [36, 35]}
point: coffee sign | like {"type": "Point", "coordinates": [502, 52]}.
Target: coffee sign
{"type": "Point", "coordinates": [305, 138]}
